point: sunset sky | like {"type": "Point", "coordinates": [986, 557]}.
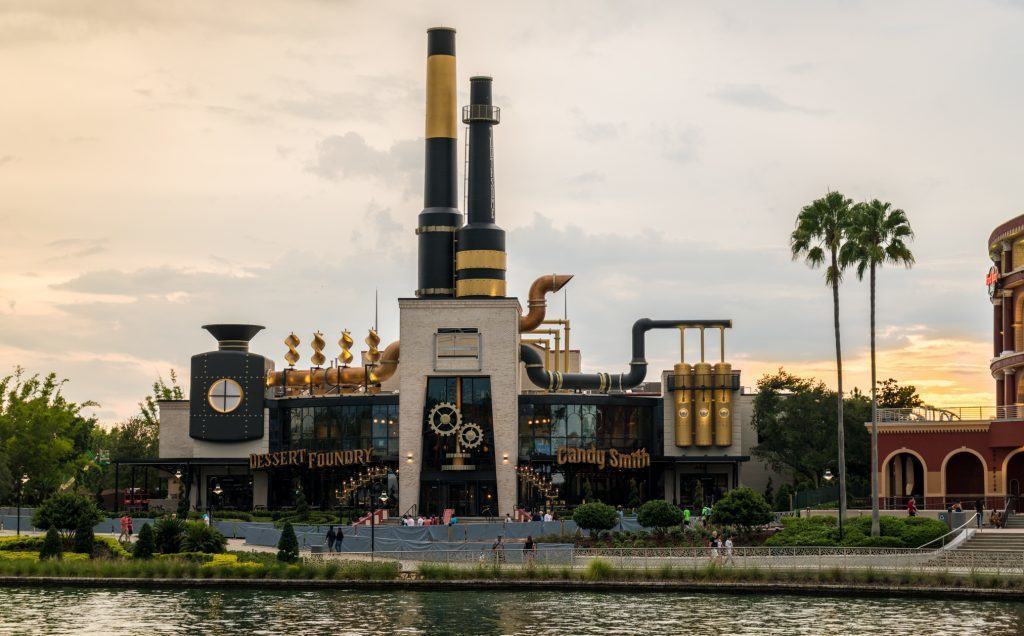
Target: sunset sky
{"type": "Point", "coordinates": [168, 164]}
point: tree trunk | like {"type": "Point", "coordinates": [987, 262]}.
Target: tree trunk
{"type": "Point", "coordinates": [841, 437]}
{"type": "Point", "coordinates": [875, 530]}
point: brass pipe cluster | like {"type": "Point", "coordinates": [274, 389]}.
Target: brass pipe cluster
{"type": "Point", "coordinates": [537, 300]}
{"type": "Point", "coordinates": [556, 356]}
{"type": "Point", "coordinates": [702, 396]}
{"type": "Point", "coordinates": [380, 366]}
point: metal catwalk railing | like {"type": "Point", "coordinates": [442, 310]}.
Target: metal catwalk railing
{"type": "Point", "coordinates": [951, 414]}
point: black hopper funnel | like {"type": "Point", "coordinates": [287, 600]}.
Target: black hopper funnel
{"type": "Point", "coordinates": [233, 337]}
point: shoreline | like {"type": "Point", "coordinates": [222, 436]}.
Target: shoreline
{"type": "Point", "coordinates": [737, 588]}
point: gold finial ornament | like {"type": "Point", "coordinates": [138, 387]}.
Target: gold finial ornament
{"type": "Point", "coordinates": [292, 341]}
{"type": "Point", "coordinates": [373, 353]}
{"type": "Point", "coordinates": [345, 342]}
{"type": "Point", "coordinates": [318, 349]}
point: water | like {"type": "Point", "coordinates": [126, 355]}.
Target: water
{"type": "Point", "coordinates": [253, 612]}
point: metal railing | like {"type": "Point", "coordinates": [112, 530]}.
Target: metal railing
{"type": "Point", "coordinates": [956, 413]}
{"type": "Point", "coordinates": [955, 561]}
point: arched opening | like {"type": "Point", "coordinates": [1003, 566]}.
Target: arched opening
{"type": "Point", "coordinates": [905, 479]}
{"type": "Point", "coordinates": [965, 477]}
{"type": "Point", "coordinates": [1015, 474]}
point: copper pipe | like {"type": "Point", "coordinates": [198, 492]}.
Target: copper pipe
{"type": "Point", "coordinates": [537, 303]}
{"type": "Point", "coordinates": [318, 379]}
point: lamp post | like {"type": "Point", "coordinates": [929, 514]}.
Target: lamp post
{"type": "Point", "coordinates": [20, 488]}
{"type": "Point", "coordinates": [217, 491]}
{"type": "Point", "coordinates": [373, 518]}
{"type": "Point", "coordinates": [828, 477]}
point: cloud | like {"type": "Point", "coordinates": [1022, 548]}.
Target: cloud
{"type": "Point", "coordinates": [756, 97]}
{"type": "Point", "coordinates": [347, 156]}
{"type": "Point", "coordinates": [6, 159]}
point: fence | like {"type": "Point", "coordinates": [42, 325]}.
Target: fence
{"type": "Point", "coordinates": [1008, 562]}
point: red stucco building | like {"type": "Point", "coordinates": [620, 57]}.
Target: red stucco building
{"type": "Point", "coordinates": [961, 454]}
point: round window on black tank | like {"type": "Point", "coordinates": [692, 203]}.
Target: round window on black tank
{"type": "Point", "coordinates": [225, 395]}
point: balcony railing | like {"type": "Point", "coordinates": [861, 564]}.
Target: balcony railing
{"type": "Point", "coordinates": [952, 414]}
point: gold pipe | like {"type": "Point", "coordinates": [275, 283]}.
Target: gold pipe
{"type": "Point", "coordinates": [702, 344]}
{"type": "Point", "coordinates": [319, 379]}
{"type": "Point", "coordinates": [564, 322]}
{"type": "Point", "coordinates": [557, 349]}
{"type": "Point", "coordinates": [537, 301]}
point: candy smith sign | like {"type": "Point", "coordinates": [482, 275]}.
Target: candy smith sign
{"type": "Point", "coordinates": [601, 458]}
{"type": "Point", "coordinates": [318, 459]}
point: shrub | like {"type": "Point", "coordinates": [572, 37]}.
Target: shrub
{"type": "Point", "coordinates": [659, 514]}
{"type": "Point", "coordinates": [598, 570]}
{"type": "Point", "coordinates": [199, 537]}
{"type": "Point", "coordinates": [168, 533]}
{"type": "Point", "coordinates": [146, 545]}
{"type": "Point", "coordinates": [782, 496]}
{"type": "Point", "coordinates": [51, 545]}
{"type": "Point", "coordinates": [596, 517]}
{"type": "Point", "coordinates": [66, 512]}
{"type": "Point", "coordinates": [288, 545]}
{"type": "Point", "coordinates": [742, 507]}
{"type": "Point", "coordinates": [813, 531]}
{"type": "Point", "coordinates": [85, 539]}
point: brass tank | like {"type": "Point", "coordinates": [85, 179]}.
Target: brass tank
{"type": "Point", "coordinates": [684, 410]}
{"type": "Point", "coordinates": [702, 402]}
{"type": "Point", "coordinates": [723, 404]}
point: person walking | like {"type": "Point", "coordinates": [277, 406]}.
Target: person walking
{"type": "Point", "coordinates": [498, 551]}
{"type": "Point", "coordinates": [714, 543]}
{"type": "Point", "coordinates": [979, 508]}
{"type": "Point", "coordinates": [911, 508]}
{"type": "Point", "coordinates": [686, 517]}
{"type": "Point", "coordinates": [124, 528]}
{"type": "Point", "coordinates": [329, 539]}
{"type": "Point", "coordinates": [131, 528]}
{"type": "Point", "coordinates": [529, 549]}
{"type": "Point", "coordinates": [339, 537]}
{"type": "Point", "coordinates": [728, 550]}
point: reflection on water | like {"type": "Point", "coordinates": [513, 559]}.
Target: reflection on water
{"type": "Point", "coordinates": [110, 611]}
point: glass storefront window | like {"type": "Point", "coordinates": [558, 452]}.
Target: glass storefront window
{"type": "Point", "coordinates": [544, 428]}
{"type": "Point", "coordinates": [342, 427]}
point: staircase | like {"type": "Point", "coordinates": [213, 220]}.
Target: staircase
{"type": "Point", "coordinates": [989, 549]}
{"type": "Point", "coordinates": [1015, 522]}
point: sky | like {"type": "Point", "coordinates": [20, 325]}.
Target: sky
{"type": "Point", "coordinates": [164, 165]}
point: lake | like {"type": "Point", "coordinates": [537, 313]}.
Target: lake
{"type": "Point", "coordinates": [232, 611]}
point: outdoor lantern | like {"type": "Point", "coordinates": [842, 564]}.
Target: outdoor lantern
{"type": "Point", "coordinates": [177, 474]}
{"type": "Point", "coordinates": [217, 490]}
{"type": "Point", "coordinates": [24, 479]}
{"type": "Point", "coordinates": [828, 475]}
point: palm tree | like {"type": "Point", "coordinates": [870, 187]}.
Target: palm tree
{"type": "Point", "coordinates": [819, 236]}
{"type": "Point", "coordinates": [878, 234]}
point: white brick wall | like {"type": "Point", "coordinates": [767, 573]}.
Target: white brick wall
{"type": "Point", "coordinates": [498, 323]}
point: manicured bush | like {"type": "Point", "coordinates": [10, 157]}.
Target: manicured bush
{"type": "Point", "coordinates": [742, 507]}
{"type": "Point", "coordinates": [51, 545]}
{"type": "Point", "coordinates": [288, 545]}
{"type": "Point", "coordinates": [66, 512]}
{"type": "Point", "coordinates": [596, 517]}
{"type": "Point", "coordinates": [659, 514]}
{"type": "Point", "coordinates": [199, 537]}
{"type": "Point", "coordinates": [895, 532]}
{"type": "Point", "coordinates": [85, 539]}
{"type": "Point", "coordinates": [146, 544]}
{"type": "Point", "coordinates": [168, 533]}
{"type": "Point", "coordinates": [813, 531]}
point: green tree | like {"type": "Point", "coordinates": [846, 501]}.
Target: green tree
{"type": "Point", "coordinates": [742, 507]}
{"type": "Point", "coordinates": [877, 235]}
{"type": "Point", "coordinates": [659, 514]}
{"type": "Point", "coordinates": [893, 396]}
{"type": "Point", "coordinates": [288, 545]}
{"type": "Point", "coordinates": [85, 538]}
{"type": "Point", "coordinates": [769, 490]}
{"type": "Point", "coordinates": [795, 423]}
{"type": "Point", "coordinates": [145, 547]}
{"type": "Point", "coordinates": [596, 517]}
{"type": "Point", "coordinates": [42, 434]}
{"type": "Point", "coordinates": [66, 512]}
{"type": "Point", "coordinates": [148, 409]}
{"type": "Point", "coordinates": [821, 229]}
{"type": "Point", "coordinates": [51, 548]}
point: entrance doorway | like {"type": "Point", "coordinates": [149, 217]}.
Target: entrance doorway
{"type": "Point", "coordinates": [702, 489]}
{"type": "Point", "coordinates": [468, 498]}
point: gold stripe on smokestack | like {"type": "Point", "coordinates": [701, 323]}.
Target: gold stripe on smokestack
{"type": "Point", "coordinates": [480, 287]}
{"type": "Point", "coordinates": [441, 97]}
{"type": "Point", "coordinates": [480, 259]}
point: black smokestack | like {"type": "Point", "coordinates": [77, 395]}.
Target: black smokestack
{"type": "Point", "coordinates": [440, 217]}
{"type": "Point", "coordinates": [480, 252]}
{"type": "Point", "coordinates": [232, 337]}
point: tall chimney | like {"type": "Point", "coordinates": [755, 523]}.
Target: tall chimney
{"type": "Point", "coordinates": [440, 217]}
{"type": "Point", "coordinates": [480, 251]}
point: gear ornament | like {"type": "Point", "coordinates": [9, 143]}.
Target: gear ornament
{"type": "Point", "coordinates": [445, 419]}
{"type": "Point", "coordinates": [471, 435]}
